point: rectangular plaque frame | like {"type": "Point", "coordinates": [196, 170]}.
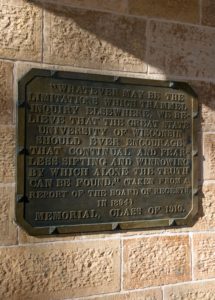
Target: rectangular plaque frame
{"type": "Point", "coordinates": [36, 80]}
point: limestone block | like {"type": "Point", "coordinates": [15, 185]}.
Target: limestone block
{"type": "Point", "coordinates": [8, 229]}
{"type": "Point", "coordinates": [152, 294]}
{"type": "Point", "coordinates": [191, 291]}
{"type": "Point", "coordinates": [182, 50]}
{"type": "Point", "coordinates": [14, 2]}
{"type": "Point", "coordinates": [177, 10]}
{"type": "Point", "coordinates": [154, 261]}
{"type": "Point", "coordinates": [21, 31]}
{"type": "Point", "coordinates": [204, 255]}
{"type": "Point", "coordinates": [111, 5]}
{"type": "Point", "coordinates": [208, 11]}
{"type": "Point", "coordinates": [25, 238]}
{"type": "Point", "coordinates": [209, 156]}
{"type": "Point", "coordinates": [59, 271]}
{"type": "Point", "coordinates": [95, 40]}
{"type": "Point", "coordinates": [206, 93]}
{"type": "Point", "coordinates": [206, 213]}
{"type": "Point", "coordinates": [205, 219]}
{"type": "Point", "coordinates": [7, 154]}
{"type": "Point", "coordinates": [6, 93]}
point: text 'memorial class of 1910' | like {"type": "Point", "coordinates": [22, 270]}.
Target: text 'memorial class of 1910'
{"type": "Point", "coordinates": [102, 153]}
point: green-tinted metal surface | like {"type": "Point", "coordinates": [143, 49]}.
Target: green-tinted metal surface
{"type": "Point", "coordinates": [99, 153]}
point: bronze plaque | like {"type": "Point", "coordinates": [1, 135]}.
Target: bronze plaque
{"type": "Point", "coordinates": [102, 153]}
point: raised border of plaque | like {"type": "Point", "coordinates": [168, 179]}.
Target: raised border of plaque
{"type": "Point", "coordinates": [55, 228]}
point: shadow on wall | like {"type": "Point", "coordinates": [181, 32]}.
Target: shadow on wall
{"type": "Point", "coordinates": [127, 43]}
{"type": "Point", "coordinates": [100, 40]}
{"type": "Point", "coordinates": [95, 39]}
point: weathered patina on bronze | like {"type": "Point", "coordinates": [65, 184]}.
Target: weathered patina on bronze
{"type": "Point", "coordinates": [102, 153]}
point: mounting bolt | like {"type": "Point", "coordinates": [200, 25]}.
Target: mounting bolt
{"type": "Point", "coordinates": [195, 152]}
{"type": "Point", "coordinates": [195, 192]}
{"type": "Point", "coordinates": [116, 78]}
{"type": "Point", "coordinates": [21, 104]}
{"type": "Point", "coordinates": [23, 151]}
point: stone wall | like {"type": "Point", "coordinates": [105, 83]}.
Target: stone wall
{"type": "Point", "coordinates": [156, 39]}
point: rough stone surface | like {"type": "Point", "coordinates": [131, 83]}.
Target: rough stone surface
{"type": "Point", "coordinates": [208, 12]}
{"type": "Point", "coordinates": [180, 10]}
{"type": "Point", "coordinates": [152, 294]}
{"type": "Point", "coordinates": [64, 270]}
{"type": "Point", "coordinates": [111, 5]}
{"type": "Point", "coordinates": [192, 291]}
{"type": "Point", "coordinates": [8, 230]}
{"type": "Point", "coordinates": [205, 218]}
{"type": "Point", "coordinates": [206, 208]}
{"type": "Point", "coordinates": [204, 255]}
{"type": "Point", "coordinates": [152, 261]}
{"type": "Point", "coordinates": [24, 238]}
{"type": "Point", "coordinates": [209, 156]}
{"type": "Point", "coordinates": [206, 94]}
{"type": "Point", "coordinates": [94, 39]}
{"type": "Point", "coordinates": [200, 156]}
{"type": "Point", "coordinates": [21, 31]}
{"type": "Point", "coordinates": [14, 2]}
{"type": "Point", "coordinates": [6, 93]}
{"type": "Point", "coordinates": [183, 50]}
{"type": "Point", "coordinates": [7, 154]}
